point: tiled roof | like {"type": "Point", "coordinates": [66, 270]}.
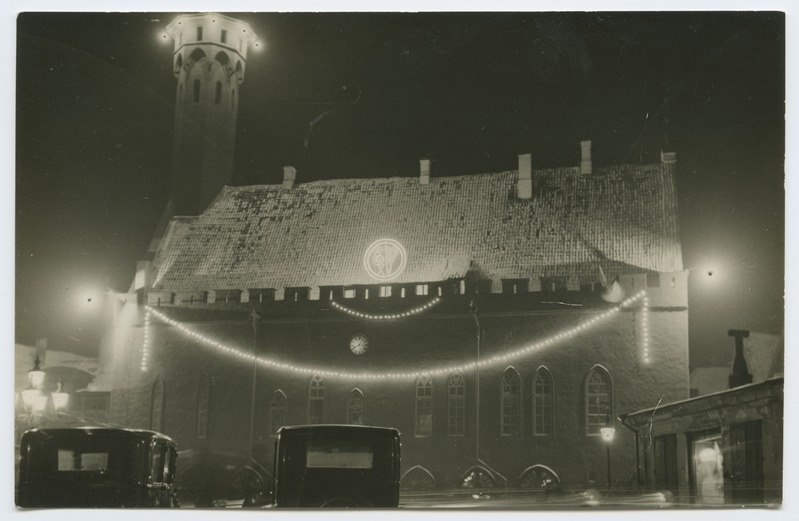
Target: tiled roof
{"type": "Point", "coordinates": [316, 234]}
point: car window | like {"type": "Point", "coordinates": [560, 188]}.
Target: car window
{"type": "Point", "coordinates": [157, 462]}
{"type": "Point", "coordinates": [73, 460]}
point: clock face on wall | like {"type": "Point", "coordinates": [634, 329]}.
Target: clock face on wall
{"type": "Point", "coordinates": [359, 344]}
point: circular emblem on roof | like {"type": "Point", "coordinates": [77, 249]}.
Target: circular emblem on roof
{"type": "Point", "coordinates": [385, 259]}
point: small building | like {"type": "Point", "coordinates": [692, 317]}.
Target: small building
{"type": "Point", "coordinates": [720, 448]}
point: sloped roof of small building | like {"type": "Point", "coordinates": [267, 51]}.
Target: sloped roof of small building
{"type": "Point", "coordinates": [316, 234]}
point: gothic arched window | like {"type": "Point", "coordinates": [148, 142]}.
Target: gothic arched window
{"type": "Point", "coordinates": [316, 400]}
{"type": "Point", "coordinates": [218, 93]}
{"type": "Point", "coordinates": [598, 400]}
{"type": "Point", "coordinates": [157, 406]}
{"type": "Point", "coordinates": [277, 412]}
{"type": "Point", "coordinates": [543, 409]}
{"type": "Point", "coordinates": [456, 405]}
{"type": "Point", "coordinates": [355, 408]}
{"type": "Point", "coordinates": [203, 401]}
{"type": "Point", "coordinates": [196, 91]}
{"type": "Point", "coordinates": [424, 406]}
{"type": "Point", "coordinates": [511, 403]}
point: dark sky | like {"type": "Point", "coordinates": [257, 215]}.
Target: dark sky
{"type": "Point", "coordinates": [95, 101]}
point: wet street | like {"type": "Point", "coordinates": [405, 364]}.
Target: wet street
{"type": "Point", "coordinates": [526, 500]}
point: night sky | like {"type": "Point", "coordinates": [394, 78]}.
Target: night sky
{"type": "Point", "coordinates": [95, 102]}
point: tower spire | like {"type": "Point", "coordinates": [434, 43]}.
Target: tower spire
{"type": "Point", "coordinates": [209, 61]}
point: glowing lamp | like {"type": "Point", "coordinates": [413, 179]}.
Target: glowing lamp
{"type": "Point", "coordinates": [60, 398]}
{"type": "Point", "coordinates": [608, 433]}
{"type": "Point", "coordinates": [29, 397]}
{"type": "Point", "coordinates": [36, 375]}
{"type": "Point", "coordinates": [39, 403]}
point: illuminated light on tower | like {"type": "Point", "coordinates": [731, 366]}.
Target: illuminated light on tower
{"type": "Point", "coordinates": [209, 61]}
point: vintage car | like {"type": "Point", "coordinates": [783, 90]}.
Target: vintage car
{"type": "Point", "coordinates": [88, 467]}
{"type": "Point", "coordinates": [336, 466]}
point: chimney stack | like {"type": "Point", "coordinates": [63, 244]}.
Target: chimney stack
{"type": "Point", "coordinates": [289, 175]}
{"type": "Point", "coordinates": [524, 187]}
{"type": "Point", "coordinates": [585, 157]}
{"type": "Point", "coordinates": [740, 372]}
{"type": "Point", "coordinates": [424, 171]}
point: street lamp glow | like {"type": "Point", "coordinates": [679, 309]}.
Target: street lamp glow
{"type": "Point", "coordinates": [29, 397]}
{"type": "Point", "coordinates": [36, 375]}
{"type": "Point", "coordinates": [60, 398]}
{"type": "Point", "coordinates": [87, 299]}
{"type": "Point", "coordinates": [608, 433]}
{"type": "Point", "coordinates": [39, 403]}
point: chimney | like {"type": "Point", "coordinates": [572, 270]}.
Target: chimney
{"type": "Point", "coordinates": [585, 157]}
{"type": "Point", "coordinates": [143, 275]}
{"type": "Point", "coordinates": [740, 372]}
{"type": "Point", "coordinates": [424, 171]}
{"type": "Point", "coordinates": [524, 187]}
{"type": "Point", "coordinates": [668, 158]}
{"type": "Point", "coordinates": [289, 175]}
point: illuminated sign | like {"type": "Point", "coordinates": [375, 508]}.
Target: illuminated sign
{"type": "Point", "coordinates": [385, 259]}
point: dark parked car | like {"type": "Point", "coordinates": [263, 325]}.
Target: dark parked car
{"type": "Point", "coordinates": [90, 467]}
{"type": "Point", "coordinates": [337, 466]}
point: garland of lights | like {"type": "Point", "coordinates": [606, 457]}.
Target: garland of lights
{"type": "Point", "coordinates": [393, 316]}
{"type": "Point", "coordinates": [645, 327]}
{"type": "Point", "coordinates": [146, 345]}
{"type": "Point", "coordinates": [443, 370]}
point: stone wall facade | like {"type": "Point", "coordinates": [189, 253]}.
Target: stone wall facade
{"type": "Point", "coordinates": [313, 333]}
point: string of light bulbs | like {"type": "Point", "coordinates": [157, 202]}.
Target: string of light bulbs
{"type": "Point", "coordinates": [146, 345]}
{"type": "Point", "coordinates": [390, 316]}
{"type": "Point", "coordinates": [390, 375]}
{"type": "Point", "coordinates": [645, 328]}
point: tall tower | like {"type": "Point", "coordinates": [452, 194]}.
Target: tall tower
{"type": "Point", "coordinates": [209, 61]}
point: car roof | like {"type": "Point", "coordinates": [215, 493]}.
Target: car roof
{"type": "Point", "coordinates": [337, 429]}
{"type": "Point", "coordinates": [76, 432]}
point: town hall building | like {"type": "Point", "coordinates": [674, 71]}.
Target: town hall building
{"type": "Point", "coordinates": [499, 321]}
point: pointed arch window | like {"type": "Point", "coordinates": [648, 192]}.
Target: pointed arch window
{"type": "Point", "coordinates": [277, 412]}
{"type": "Point", "coordinates": [316, 400]}
{"type": "Point", "coordinates": [157, 406]}
{"type": "Point", "coordinates": [197, 55]}
{"type": "Point", "coordinates": [218, 93]}
{"type": "Point", "coordinates": [511, 403]}
{"type": "Point", "coordinates": [355, 408]}
{"type": "Point", "coordinates": [456, 405]}
{"type": "Point", "coordinates": [196, 91]}
{"type": "Point", "coordinates": [543, 409]}
{"type": "Point", "coordinates": [424, 406]}
{"type": "Point", "coordinates": [598, 400]}
{"type": "Point", "coordinates": [203, 401]}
